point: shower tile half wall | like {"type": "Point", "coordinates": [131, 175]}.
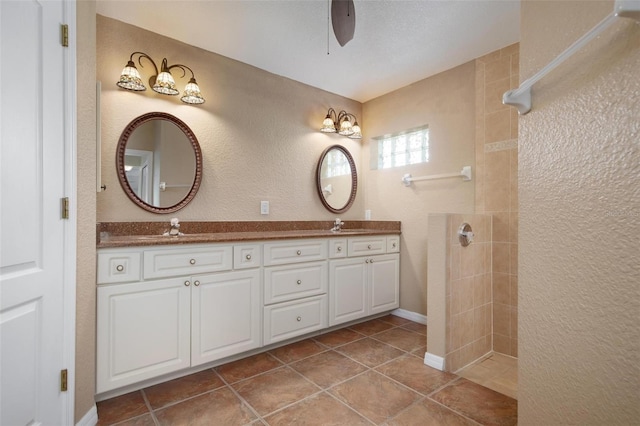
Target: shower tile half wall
{"type": "Point", "coordinates": [459, 290]}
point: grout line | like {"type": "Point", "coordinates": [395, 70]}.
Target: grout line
{"type": "Point", "coordinates": [242, 400]}
{"type": "Point", "coordinates": [146, 401]}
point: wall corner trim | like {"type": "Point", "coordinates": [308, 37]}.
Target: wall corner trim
{"type": "Point", "coordinates": [90, 418]}
{"type": "Point", "coordinates": [434, 361]}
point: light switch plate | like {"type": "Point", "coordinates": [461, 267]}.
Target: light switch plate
{"type": "Point", "coordinates": [264, 207]}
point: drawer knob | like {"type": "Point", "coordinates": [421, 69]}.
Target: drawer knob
{"type": "Point", "coordinates": [192, 261]}
{"type": "Point", "coordinates": [196, 283]}
{"type": "Point", "coordinates": [298, 252]}
{"type": "Point", "coordinates": [248, 257]}
{"type": "Point", "coordinates": [187, 283]}
{"type": "Point", "coordinates": [299, 282]}
{"type": "Point", "coordinates": [119, 268]}
{"type": "Point", "coordinates": [339, 248]}
{"type": "Point", "coordinates": [371, 261]}
{"type": "Point", "coordinates": [366, 261]}
{"type": "Point", "coordinates": [369, 246]}
{"type": "Point", "coordinates": [299, 319]}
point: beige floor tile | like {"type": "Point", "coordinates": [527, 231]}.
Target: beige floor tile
{"type": "Point", "coordinates": [297, 351]}
{"type": "Point", "coordinates": [220, 407]}
{"type": "Point", "coordinates": [375, 396]}
{"type": "Point", "coordinates": [182, 388]}
{"type": "Point", "coordinates": [320, 410]}
{"type": "Point", "coordinates": [328, 368]}
{"type": "Point", "coordinates": [370, 352]}
{"type": "Point", "coordinates": [411, 372]}
{"type": "Point", "coordinates": [274, 389]}
{"type": "Point", "coordinates": [428, 413]}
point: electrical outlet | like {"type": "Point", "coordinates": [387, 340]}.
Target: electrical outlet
{"type": "Point", "coordinates": [367, 215]}
{"type": "Point", "coordinates": [264, 207]}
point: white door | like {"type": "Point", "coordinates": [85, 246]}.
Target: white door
{"type": "Point", "coordinates": [347, 290]}
{"type": "Point", "coordinates": [384, 283]}
{"type": "Point", "coordinates": [35, 140]}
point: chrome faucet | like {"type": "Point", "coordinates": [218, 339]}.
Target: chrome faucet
{"type": "Point", "coordinates": [175, 228]}
{"type": "Point", "coordinates": [337, 225]}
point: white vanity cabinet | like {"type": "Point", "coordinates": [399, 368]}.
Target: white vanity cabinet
{"type": "Point", "coordinates": [187, 308]}
{"type": "Point", "coordinates": [143, 331]}
{"type": "Point", "coordinates": [367, 282]}
{"type": "Point", "coordinates": [162, 309]}
{"type": "Point", "coordinates": [295, 288]}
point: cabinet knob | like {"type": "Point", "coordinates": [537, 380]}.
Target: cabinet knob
{"type": "Point", "coordinates": [369, 246]}
{"type": "Point", "coordinates": [339, 248]}
{"type": "Point", "coordinates": [248, 257]}
{"type": "Point", "coordinates": [119, 268]}
{"type": "Point", "coordinates": [366, 261]}
{"type": "Point", "coordinates": [371, 261]}
{"type": "Point", "coordinates": [196, 283]}
{"type": "Point", "coordinates": [298, 252]}
{"type": "Point", "coordinates": [192, 261]}
{"type": "Point", "coordinates": [299, 319]}
{"type": "Point", "coordinates": [187, 283]}
{"type": "Point", "coordinates": [299, 282]}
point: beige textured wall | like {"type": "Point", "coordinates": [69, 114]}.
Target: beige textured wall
{"type": "Point", "coordinates": [445, 102]}
{"type": "Point", "coordinates": [497, 185]}
{"type": "Point", "coordinates": [579, 183]}
{"type": "Point", "coordinates": [258, 132]}
{"type": "Point", "coordinates": [86, 220]}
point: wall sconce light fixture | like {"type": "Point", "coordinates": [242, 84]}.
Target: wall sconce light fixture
{"type": "Point", "coordinates": [341, 123]}
{"type": "Point", "coordinates": [161, 82]}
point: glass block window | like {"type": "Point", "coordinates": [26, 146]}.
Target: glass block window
{"type": "Point", "coordinates": [410, 147]}
{"type": "Point", "coordinates": [336, 164]}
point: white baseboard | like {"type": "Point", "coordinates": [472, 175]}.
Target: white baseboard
{"type": "Point", "coordinates": [434, 361]}
{"type": "Point", "coordinates": [89, 419]}
{"type": "Point", "coordinates": [413, 316]}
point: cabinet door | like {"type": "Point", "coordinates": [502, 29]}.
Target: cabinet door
{"type": "Point", "coordinates": [347, 290]}
{"type": "Point", "coordinates": [143, 331]}
{"type": "Point", "coordinates": [225, 315]}
{"type": "Point", "coordinates": [384, 283]}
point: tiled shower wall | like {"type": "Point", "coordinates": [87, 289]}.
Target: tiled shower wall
{"type": "Point", "coordinates": [468, 291]}
{"type": "Point", "coordinates": [497, 185]}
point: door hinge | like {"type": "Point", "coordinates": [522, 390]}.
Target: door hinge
{"type": "Point", "coordinates": [65, 207]}
{"type": "Point", "coordinates": [63, 380]}
{"type": "Point", "coordinates": [64, 33]}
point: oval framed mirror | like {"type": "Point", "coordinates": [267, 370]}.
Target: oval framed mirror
{"type": "Point", "coordinates": [336, 179]}
{"type": "Point", "coordinates": [159, 162]}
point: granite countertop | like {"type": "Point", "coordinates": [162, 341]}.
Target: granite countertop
{"type": "Point", "coordinates": [135, 234]}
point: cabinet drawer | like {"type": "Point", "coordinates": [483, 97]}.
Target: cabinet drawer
{"type": "Point", "coordinates": [365, 246]}
{"type": "Point", "coordinates": [189, 261]}
{"type": "Point", "coordinates": [337, 248]}
{"type": "Point", "coordinates": [393, 244]}
{"type": "Point", "coordinates": [294, 251]}
{"type": "Point", "coordinates": [289, 319]}
{"type": "Point", "coordinates": [247, 256]}
{"type": "Point", "coordinates": [118, 267]}
{"type": "Point", "coordinates": [288, 282]}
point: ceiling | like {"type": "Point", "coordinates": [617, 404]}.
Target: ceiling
{"type": "Point", "coordinates": [396, 42]}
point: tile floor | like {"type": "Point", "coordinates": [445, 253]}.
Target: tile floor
{"type": "Point", "coordinates": [497, 371]}
{"type": "Point", "coordinates": [369, 373]}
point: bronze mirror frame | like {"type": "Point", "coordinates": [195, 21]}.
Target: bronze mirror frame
{"type": "Point", "coordinates": [120, 161]}
{"type": "Point", "coordinates": [354, 179]}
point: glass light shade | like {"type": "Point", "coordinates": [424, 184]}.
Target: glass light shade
{"type": "Point", "coordinates": [345, 127]}
{"type": "Point", "coordinates": [357, 132]}
{"type": "Point", "coordinates": [165, 84]}
{"type": "Point", "coordinates": [192, 94]}
{"type": "Point", "coordinates": [130, 78]}
{"type": "Point", "coordinates": [328, 126]}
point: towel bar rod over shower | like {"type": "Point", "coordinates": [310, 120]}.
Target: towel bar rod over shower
{"type": "Point", "coordinates": [465, 174]}
{"type": "Point", "coordinates": [521, 97]}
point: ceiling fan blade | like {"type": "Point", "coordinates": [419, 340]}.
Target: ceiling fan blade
{"type": "Point", "coordinates": [343, 19]}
